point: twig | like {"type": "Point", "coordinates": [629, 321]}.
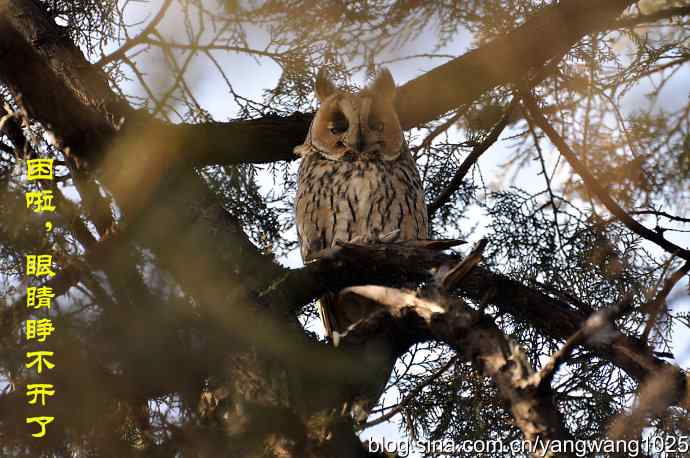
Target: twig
{"type": "Point", "coordinates": [439, 130]}
{"type": "Point", "coordinates": [661, 213]}
{"type": "Point", "coordinates": [595, 324]}
{"type": "Point", "coordinates": [470, 160]}
{"type": "Point", "coordinates": [139, 39]}
{"type": "Point", "coordinates": [654, 308]}
{"type": "Point", "coordinates": [595, 187]}
{"type": "Point", "coordinates": [547, 178]}
{"type": "Point", "coordinates": [411, 395]}
{"type": "Point", "coordinates": [457, 273]}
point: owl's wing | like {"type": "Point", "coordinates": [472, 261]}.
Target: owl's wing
{"type": "Point", "coordinates": [311, 234]}
{"type": "Point", "coordinates": [313, 211]}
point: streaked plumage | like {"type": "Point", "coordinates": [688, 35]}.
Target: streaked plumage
{"type": "Point", "coordinates": [357, 180]}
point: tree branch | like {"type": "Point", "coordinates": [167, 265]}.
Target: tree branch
{"type": "Point", "coordinates": [470, 160]}
{"type": "Point", "coordinates": [655, 307]}
{"type": "Point", "coordinates": [548, 33]}
{"type": "Point", "coordinates": [662, 214]}
{"type": "Point", "coordinates": [599, 321]}
{"type": "Point", "coordinates": [398, 264]}
{"type": "Point", "coordinates": [596, 188]}
{"type": "Point", "coordinates": [141, 38]}
{"type": "Point", "coordinates": [669, 13]}
{"type": "Point", "coordinates": [478, 340]}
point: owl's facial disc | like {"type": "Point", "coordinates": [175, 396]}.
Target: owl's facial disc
{"type": "Point", "coordinates": [357, 127]}
{"type": "Point", "coordinates": [362, 126]}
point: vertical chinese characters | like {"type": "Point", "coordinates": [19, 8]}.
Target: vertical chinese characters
{"type": "Point", "coordinates": [39, 270]}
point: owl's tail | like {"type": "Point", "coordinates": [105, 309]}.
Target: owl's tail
{"type": "Point", "coordinates": [377, 354]}
{"type": "Point", "coordinates": [338, 313]}
{"type": "Point", "coordinates": [327, 305]}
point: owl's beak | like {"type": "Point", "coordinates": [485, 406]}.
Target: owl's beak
{"type": "Point", "coordinates": [372, 148]}
{"type": "Point", "coordinates": [369, 154]}
{"type": "Point", "coordinates": [360, 141]}
{"type": "Point", "coordinates": [360, 149]}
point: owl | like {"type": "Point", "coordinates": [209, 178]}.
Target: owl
{"type": "Point", "coordinates": [357, 182]}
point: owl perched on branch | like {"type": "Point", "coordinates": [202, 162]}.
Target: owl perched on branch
{"type": "Point", "coordinates": [357, 181]}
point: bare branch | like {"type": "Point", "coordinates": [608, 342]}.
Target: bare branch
{"type": "Point", "coordinates": [470, 160]}
{"type": "Point", "coordinates": [595, 187]}
{"type": "Point", "coordinates": [655, 307]}
{"type": "Point", "coordinates": [139, 39]}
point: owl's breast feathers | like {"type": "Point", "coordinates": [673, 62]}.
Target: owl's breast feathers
{"type": "Point", "coordinates": [340, 200]}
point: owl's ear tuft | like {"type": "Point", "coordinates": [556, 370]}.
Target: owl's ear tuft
{"type": "Point", "coordinates": [383, 85]}
{"type": "Point", "coordinates": [323, 86]}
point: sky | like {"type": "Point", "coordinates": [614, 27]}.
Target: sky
{"type": "Point", "coordinates": [250, 77]}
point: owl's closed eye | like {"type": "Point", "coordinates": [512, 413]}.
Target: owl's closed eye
{"type": "Point", "coordinates": [356, 126]}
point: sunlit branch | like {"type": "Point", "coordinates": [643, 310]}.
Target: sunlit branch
{"type": "Point", "coordinates": [505, 59]}
{"type": "Point", "coordinates": [478, 340]}
{"type": "Point", "coordinates": [670, 13]}
{"type": "Point", "coordinates": [353, 264]}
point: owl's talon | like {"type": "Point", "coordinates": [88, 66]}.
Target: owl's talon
{"type": "Point", "coordinates": [359, 239]}
{"type": "Point", "coordinates": [389, 237]}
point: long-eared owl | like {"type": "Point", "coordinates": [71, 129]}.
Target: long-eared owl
{"type": "Point", "coordinates": [357, 180]}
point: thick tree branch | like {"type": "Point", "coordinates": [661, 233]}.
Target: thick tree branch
{"type": "Point", "coordinates": [168, 209]}
{"type": "Point", "coordinates": [396, 264]}
{"type": "Point", "coordinates": [213, 260]}
{"type": "Point", "coordinates": [508, 59]}
{"type": "Point", "coordinates": [56, 84]}
{"type": "Point", "coordinates": [547, 34]}
{"type": "Point", "coordinates": [478, 340]}
{"type": "Point", "coordinates": [62, 90]}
